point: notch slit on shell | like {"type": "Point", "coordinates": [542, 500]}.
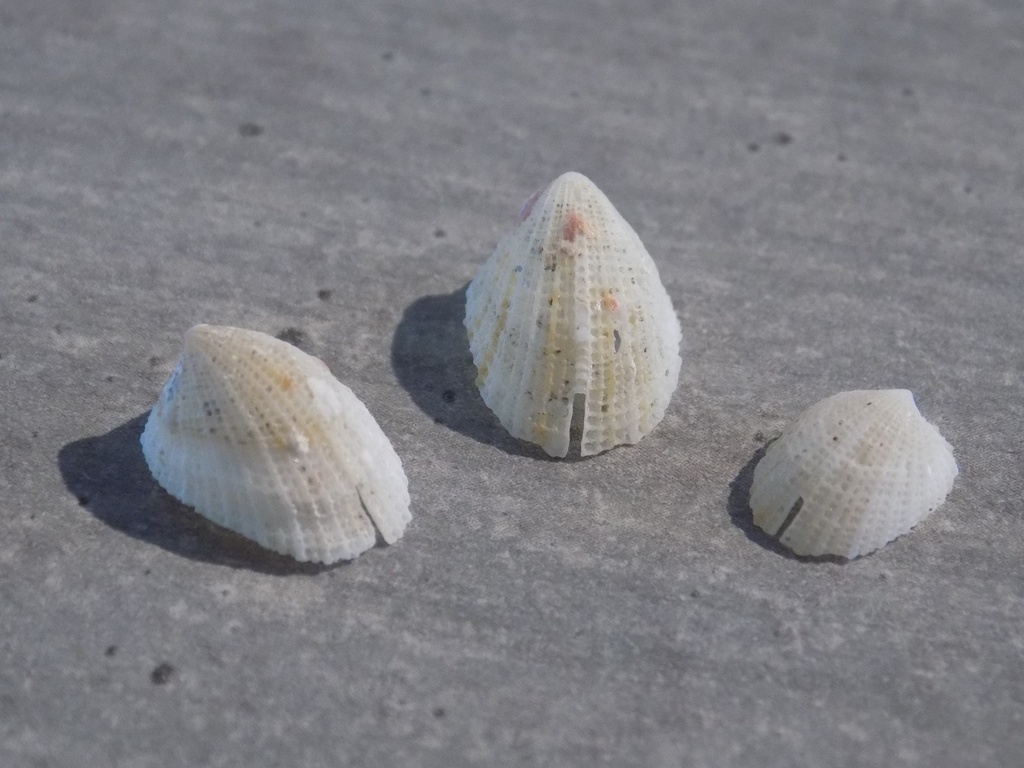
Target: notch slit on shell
{"type": "Point", "coordinates": [797, 506]}
{"type": "Point", "coordinates": [569, 305]}
{"type": "Point", "coordinates": [578, 420]}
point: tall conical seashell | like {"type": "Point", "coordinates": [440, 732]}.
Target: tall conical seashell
{"type": "Point", "coordinates": [852, 473]}
{"type": "Point", "coordinates": [259, 437]}
{"type": "Point", "coordinates": [570, 304]}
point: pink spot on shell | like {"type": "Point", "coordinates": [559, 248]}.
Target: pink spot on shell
{"type": "Point", "coordinates": [609, 302]}
{"type": "Point", "coordinates": [574, 225]}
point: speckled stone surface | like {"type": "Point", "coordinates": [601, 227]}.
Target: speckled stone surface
{"type": "Point", "coordinates": [834, 194]}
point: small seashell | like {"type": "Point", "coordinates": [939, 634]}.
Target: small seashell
{"type": "Point", "coordinates": [260, 438]}
{"type": "Point", "coordinates": [568, 308]}
{"type": "Point", "coordinates": [852, 473]}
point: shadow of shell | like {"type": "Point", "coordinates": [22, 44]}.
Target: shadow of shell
{"type": "Point", "coordinates": [431, 360]}
{"type": "Point", "coordinates": [109, 476]}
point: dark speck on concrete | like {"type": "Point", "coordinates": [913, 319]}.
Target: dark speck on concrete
{"type": "Point", "coordinates": [387, 55]}
{"type": "Point", "coordinates": [968, 189]}
{"type": "Point", "coordinates": [83, 500]}
{"type": "Point", "coordinates": [292, 336]}
{"type": "Point", "coordinates": [782, 138]}
{"type": "Point", "coordinates": [110, 378]}
{"type": "Point", "coordinates": [111, 651]}
{"type": "Point", "coordinates": [753, 146]}
{"type": "Point", "coordinates": [323, 294]}
{"type": "Point", "coordinates": [250, 129]}
{"type": "Point", "coordinates": [161, 674]}
{"type": "Point", "coordinates": [908, 91]}
{"type": "Point", "coordinates": [448, 396]}
{"type": "Point", "coordinates": [759, 437]}
{"type": "Point", "coordinates": [154, 361]}
{"type": "Point", "coordinates": [33, 299]}
{"type": "Point", "coordinates": [841, 157]}
{"type": "Point", "coordinates": [439, 712]}
{"type": "Point", "coordinates": [424, 92]}
{"type": "Point", "coordinates": [439, 232]}
{"type": "Point", "coordinates": [257, 223]}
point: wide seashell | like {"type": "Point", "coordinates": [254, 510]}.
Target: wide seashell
{"type": "Point", "coordinates": [569, 307]}
{"type": "Point", "coordinates": [259, 437]}
{"type": "Point", "coordinates": [852, 473]}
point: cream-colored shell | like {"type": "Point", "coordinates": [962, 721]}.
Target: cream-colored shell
{"type": "Point", "coordinates": [260, 438]}
{"type": "Point", "coordinates": [570, 304]}
{"type": "Point", "coordinates": [864, 467]}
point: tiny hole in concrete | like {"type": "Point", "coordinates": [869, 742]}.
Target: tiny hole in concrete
{"type": "Point", "coordinates": [161, 673]}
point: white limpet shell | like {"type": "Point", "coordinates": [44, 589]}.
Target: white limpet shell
{"type": "Point", "coordinates": [260, 438]}
{"type": "Point", "coordinates": [570, 307]}
{"type": "Point", "coordinates": [852, 473]}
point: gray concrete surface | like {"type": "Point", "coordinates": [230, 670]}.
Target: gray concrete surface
{"type": "Point", "coordinates": [834, 193]}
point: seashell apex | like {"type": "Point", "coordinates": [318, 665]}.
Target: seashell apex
{"type": "Point", "coordinates": [260, 438]}
{"type": "Point", "coordinates": [851, 473]}
{"type": "Point", "coordinates": [568, 313]}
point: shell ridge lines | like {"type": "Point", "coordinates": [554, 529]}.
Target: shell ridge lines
{"type": "Point", "coordinates": [201, 487]}
{"type": "Point", "coordinates": [275, 436]}
{"type": "Point", "coordinates": [573, 325]}
{"type": "Point", "coordinates": [268, 466]}
{"type": "Point", "coordinates": [526, 304]}
{"type": "Point", "coordinates": [860, 461]}
{"type": "Point", "coordinates": [296, 461]}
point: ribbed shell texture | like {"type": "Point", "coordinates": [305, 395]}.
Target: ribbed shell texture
{"type": "Point", "coordinates": [864, 466]}
{"type": "Point", "coordinates": [570, 303]}
{"type": "Point", "coordinates": [260, 438]}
